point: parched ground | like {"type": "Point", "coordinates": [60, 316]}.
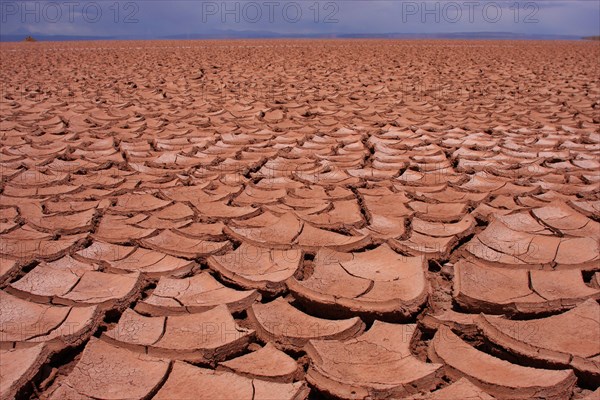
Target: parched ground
{"type": "Point", "coordinates": [292, 219]}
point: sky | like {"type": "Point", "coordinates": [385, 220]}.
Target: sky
{"type": "Point", "coordinates": [162, 18]}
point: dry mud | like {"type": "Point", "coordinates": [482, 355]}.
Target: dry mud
{"type": "Point", "coordinates": [300, 219]}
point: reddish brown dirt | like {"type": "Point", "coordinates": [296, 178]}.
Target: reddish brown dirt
{"type": "Point", "coordinates": [300, 219]}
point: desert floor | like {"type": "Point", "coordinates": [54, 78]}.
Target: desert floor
{"type": "Point", "coordinates": [292, 219]}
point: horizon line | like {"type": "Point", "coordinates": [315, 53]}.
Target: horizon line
{"type": "Point", "coordinates": [19, 37]}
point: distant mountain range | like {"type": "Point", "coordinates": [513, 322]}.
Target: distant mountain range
{"type": "Point", "coordinates": [232, 34]}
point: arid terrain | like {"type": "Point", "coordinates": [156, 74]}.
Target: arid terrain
{"type": "Point", "coordinates": [300, 219]}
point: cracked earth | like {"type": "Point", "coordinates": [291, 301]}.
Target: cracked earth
{"type": "Point", "coordinates": [300, 219]}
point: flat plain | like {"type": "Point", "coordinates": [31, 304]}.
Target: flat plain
{"type": "Point", "coordinates": [295, 219]}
